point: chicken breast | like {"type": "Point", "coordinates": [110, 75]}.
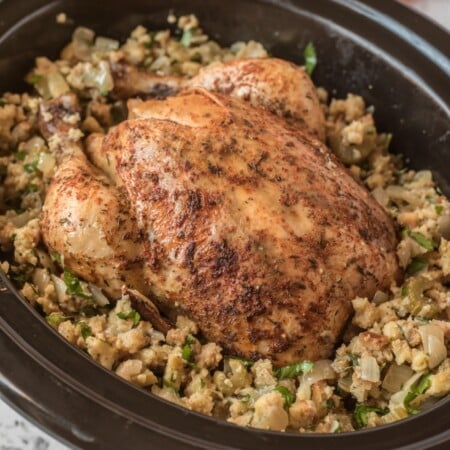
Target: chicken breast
{"type": "Point", "coordinates": [279, 86]}
{"type": "Point", "coordinates": [248, 226]}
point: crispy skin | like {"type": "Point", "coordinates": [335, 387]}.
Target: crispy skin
{"type": "Point", "coordinates": [249, 227]}
{"type": "Point", "coordinates": [279, 86]}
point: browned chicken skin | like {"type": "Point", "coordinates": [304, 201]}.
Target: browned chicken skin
{"type": "Point", "coordinates": [275, 84]}
{"type": "Point", "coordinates": [246, 225]}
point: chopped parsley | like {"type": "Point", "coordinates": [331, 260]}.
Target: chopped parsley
{"type": "Point", "coordinates": [186, 38]}
{"type": "Point", "coordinates": [134, 315]}
{"type": "Point", "coordinates": [171, 386]}
{"type": "Point", "coordinates": [31, 187]}
{"type": "Point", "coordinates": [404, 291]}
{"type": "Point", "coordinates": [294, 370]}
{"type": "Point", "coordinates": [20, 155]}
{"type": "Point", "coordinates": [34, 79]}
{"type": "Point", "coordinates": [56, 257]}
{"type": "Point", "coordinates": [360, 414]}
{"type": "Point", "coordinates": [73, 285]}
{"type": "Point", "coordinates": [416, 265]}
{"type": "Point", "coordinates": [54, 319]}
{"type": "Point", "coordinates": [310, 58]}
{"type": "Point", "coordinates": [245, 398]}
{"type": "Point", "coordinates": [419, 389]}
{"type": "Point", "coordinates": [85, 330]}
{"type": "Point", "coordinates": [287, 395]}
{"type": "Point", "coordinates": [439, 209]}
{"type": "Point", "coordinates": [422, 240]}
{"type": "Point", "coordinates": [186, 353]}
{"type": "Point", "coordinates": [18, 277]}
{"type": "Point", "coordinates": [31, 167]}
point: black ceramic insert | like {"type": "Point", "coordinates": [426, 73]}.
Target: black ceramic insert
{"type": "Point", "coordinates": [397, 60]}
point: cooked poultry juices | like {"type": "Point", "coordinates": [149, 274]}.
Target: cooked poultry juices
{"type": "Point", "coordinates": [220, 210]}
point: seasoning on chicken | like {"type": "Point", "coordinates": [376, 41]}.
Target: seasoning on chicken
{"type": "Point", "coordinates": [234, 218]}
{"type": "Point", "coordinates": [275, 84]}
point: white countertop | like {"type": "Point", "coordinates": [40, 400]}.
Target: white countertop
{"type": "Point", "coordinates": [16, 433]}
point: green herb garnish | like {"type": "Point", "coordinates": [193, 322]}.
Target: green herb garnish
{"type": "Point", "coordinates": [294, 370]}
{"type": "Point", "coordinates": [310, 58]}
{"type": "Point", "coordinates": [360, 414]}
{"type": "Point", "coordinates": [404, 291]}
{"type": "Point", "coordinates": [31, 187]}
{"type": "Point", "coordinates": [186, 353]}
{"type": "Point", "coordinates": [73, 285]}
{"type": "Point", "coordinates": [245, 398]}
{"type": "Point", "coordinates": [419, 389]}
{"type": "Point", "coordinates": [54, 319]}
{"type": "Point", "coordinates": [416, 265]}
{"type": "Point", "coordinates": [186, 38]}
{"type": "Point", "coordinates": [287, 395]}
{"type": "Point", "coordinates": [169, 385]}
{"type": "Point", "coordinates": [56, 257]}
{"type": "Point", "coordinates": [34, 79]}
{"type": "Point", "coordinates": [32, 167]}
{"type": "Point", "coordinates": [423, 241]}
{"type": "Point", "coordinates": [85, 330]}
{"type": "Point", "coordinates": [2, 103]}
{"type": "Point", "coordinates": [134, 315]}
{"type": "Point", "coordinates": [439, 209]}
{"type": "Point", "coordinates": [20, 155]}
{"type": "Point", "coordinates": [18, 276]}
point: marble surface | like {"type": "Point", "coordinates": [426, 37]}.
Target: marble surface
{"type": "Point", "coordinates": [16, 433]}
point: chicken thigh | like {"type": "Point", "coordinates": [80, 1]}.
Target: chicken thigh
{"type": "Point", "coordinates": [275, 84]}
{"type": "Point", "coordinates": [243, 223]}
{"type": "Point", "coordinates": [86, 218]}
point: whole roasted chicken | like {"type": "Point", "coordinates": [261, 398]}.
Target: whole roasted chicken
{"type": "Point", "coordinates": [220, 210]}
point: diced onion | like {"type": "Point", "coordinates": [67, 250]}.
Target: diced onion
{"type": "Point", "coordinates": [399, 193]}
{"type": "Point", "coordinates": [424, 175]}
{"type": "Point", "coordinates": [83, 39]}
{"type": "Point", "coordinates": [398, 398]}
{"type": "Point", "coordinates": [433, 344]}
{"type": "Point", "coordinates": [322, 370]}
{"type": "Point", "coordinates": [380, 196]}
{"type": "Point", "coordinates": [41, 278]}
{"type": "Point", "coordinates": [396, 376]}
{"type": "Point", "coordinates": [370, 370]}
{"type": "Point", "coordinates": [380, 297]}
{"type": "Point", "coordinates": [103, 77]}
{"type": "Point", "coordinates": [304, 390]}
{"type": "Point", "coordinates": [22, 219]}
{"type": "Point", "coordinates": [56, 84]}
{"type": "Point", "coordinates": [98, 295]}
{"type": "Point", "coordinates": [103, 44]}
{"type": "Point", "coordinates": [46, 164]}
{"type": "Point", "coordinates": [345, 383]}
{"type": "Point", "coordinates": [45, 260]}
{"type": "Point", "coordinates": [60, 288]}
